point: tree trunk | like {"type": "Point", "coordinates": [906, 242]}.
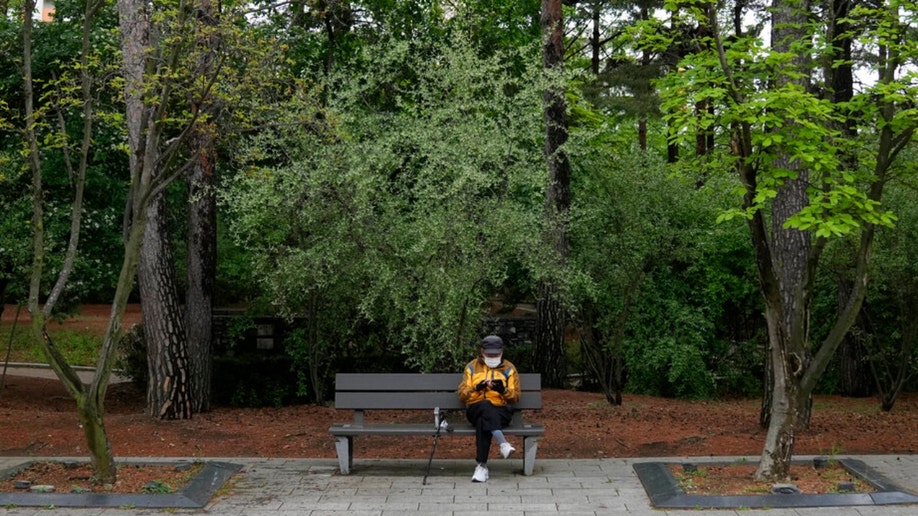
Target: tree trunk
{"type": "Point", "coordinates": [202, 265]}
{"type": "Point", "coordinates": [775, 462]}
{"type": "Point", "coordinates": [169, 388]}
{"type": "Point", "coordinates": [89, 399]}
{"type": "Point", "coordinates": [92, 421]}
{"type": "Point", "coordinates": [642, 134]}
{"type": "Point", "coordinates": [768, 389]}
{"type": "Point", "coordinates": [855, 379]}
{"type": "Point", "coordinates": [549, 357]}
{"type": "Point", "coordinates": [788, 290]}
{"type": "Point", "coordinates": [787, 314]}
{"type": "Point", "coordinates": [202, 230]}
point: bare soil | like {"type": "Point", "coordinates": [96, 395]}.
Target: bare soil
{"type": "Point", "coordinates": [38, 419]}
{"type": "Point", "coordinates": [76, 477]}
{"type": "Point", "coordinates": [738, 479]}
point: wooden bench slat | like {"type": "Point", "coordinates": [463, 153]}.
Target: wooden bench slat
{"type": "Point", "coordinates": [402, 382]}
{"type": "Point", "coordinates": [346, 429]}
{"type": "Point", "coordinates": [418, 401]}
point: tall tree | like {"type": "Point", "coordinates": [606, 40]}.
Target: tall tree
{"type": "Point", "coordinates": [89, 398]}
{"type": "Point", "coordinates": [784, 147]}
{"type": "Point", "coordinates": [168, 389]}
{"type": "Point", "coordinates": [399, 234]}
{"type": "Point", "coordinates": [175, 85]}
{"type": "Point", "coordinates": [549, 357]}
{"type": "Point", "coordinates": [202, 218]}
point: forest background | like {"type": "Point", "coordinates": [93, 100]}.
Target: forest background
{"type": "Point", "coordinates": [384, 177]}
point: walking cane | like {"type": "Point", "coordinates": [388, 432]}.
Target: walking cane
{"type": "Point", "coordinates": [441, 424]}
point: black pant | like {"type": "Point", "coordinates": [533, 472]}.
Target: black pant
{"type": "Point", "coordinates": [486, 418]}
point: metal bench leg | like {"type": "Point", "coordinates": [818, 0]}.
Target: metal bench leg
{"type": "Point", "coordinates": [344, 445]}
{"type": "Point", "coordinates": [530, 446]}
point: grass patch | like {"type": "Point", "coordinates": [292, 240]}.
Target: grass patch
{"type": "Point", "coordinates": [80, 349]}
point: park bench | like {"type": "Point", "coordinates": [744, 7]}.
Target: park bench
{"type": "Point", "coordinates": [427, 392]}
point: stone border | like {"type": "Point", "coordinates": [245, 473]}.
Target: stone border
{"type": "Point", "coordinates": [665, 493]}
{"type": "Point", "coordinates": [196, 494]}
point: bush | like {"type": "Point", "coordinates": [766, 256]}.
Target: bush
{"type": "Point", "coordinates": [254, 380]}
{"type": "Point", "coordinates": [132, 357]}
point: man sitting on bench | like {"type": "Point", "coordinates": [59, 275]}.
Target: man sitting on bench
{"type": "Point", "coordinates": [489, 386]}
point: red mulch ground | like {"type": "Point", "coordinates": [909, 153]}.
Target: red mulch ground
{"type": "Point", "coordinates": [37, 418]}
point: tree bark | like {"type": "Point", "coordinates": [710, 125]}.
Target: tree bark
{"type": "Point", "coordinates": [202, 264]}
{"type": "Point", "coordinates": [549, 357]}
{"type": "Point", "coordinates": [202, 227]}
{"type": "Point", "coordinates": [169, 390]}
{"type": "Point", "coordinates": [788, 290]}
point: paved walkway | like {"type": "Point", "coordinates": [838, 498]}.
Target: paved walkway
{"type": "Point", "coordinates": [45, 371]}
{"type": "Point", "coordinates": [311, 487]}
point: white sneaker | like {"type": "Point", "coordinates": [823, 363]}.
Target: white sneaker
{"type": "Point", "coordinates": [481, 473]}
{"type": "Point", "coordinates": [506, 450]}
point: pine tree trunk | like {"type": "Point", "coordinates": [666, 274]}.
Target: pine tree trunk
{"type": "Point", "coordinates": [169, 388]}
{"type": "Point", "coordinates": [787, 312]}
{"type": "Point", "coordinates": [202, 228]}
{"type": "Point", "coordinates": [788, 289]}
{"type": "Point", "coordinates": [202, 265]}
{"type": "Point", "coordinates": [549, 357]}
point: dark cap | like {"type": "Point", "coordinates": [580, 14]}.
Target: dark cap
{"type": "Point", "coordinates": [492, 343]}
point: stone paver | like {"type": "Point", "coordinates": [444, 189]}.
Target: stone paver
{"type": "Point", "coordinates": [312, 487]}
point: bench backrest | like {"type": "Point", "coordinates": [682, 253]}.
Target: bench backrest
{"type": "Point", "coordinates": [359, 391]}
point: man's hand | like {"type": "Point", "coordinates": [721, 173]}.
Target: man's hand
{"type": "Point", "coordinates": [482, 385]}
{"type": "Point", "coordinates": [497, 386]}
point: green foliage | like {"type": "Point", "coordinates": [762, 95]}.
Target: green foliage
{"type": "Point", "coordinates": [132, 357]}
{"type": "Point", "coordinates": [661, 284]}
{"type": "Point", "coordinates": [59, 115]}
{"type": "Point", "coordinates": [787, 125]}
{"type": "Point", "coordinates": [258, 380]}
{"type": "Point", "coordinates": [773, 116]}
{"type": "Point", "coordinates": [158, 487]}
{"type": "Point", "coordinates": [407, 206]}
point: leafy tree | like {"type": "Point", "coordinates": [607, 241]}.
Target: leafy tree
{"type": "Point", "coordinates": [786, 149]}
{"type": "Point", "coordinates": [663, 291]}
{"type": "Point", "coordinates": [405, 206]}
{"type": "Point", "coordinates": [73, 93]}
{"type": "Point", "coordinates": [180, 91]}
{"type": "Point", "coordinates": [62, 126]}
{"type": "Point", "coordinates": [95, 269]}
{"type": "Point", "coordinates": [891, 329]}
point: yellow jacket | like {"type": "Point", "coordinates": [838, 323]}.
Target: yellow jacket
{"type": "Point", "coordinates": [476, 371]}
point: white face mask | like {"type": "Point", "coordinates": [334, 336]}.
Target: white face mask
{"type": "Point", "coordinates": [493, 362]}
